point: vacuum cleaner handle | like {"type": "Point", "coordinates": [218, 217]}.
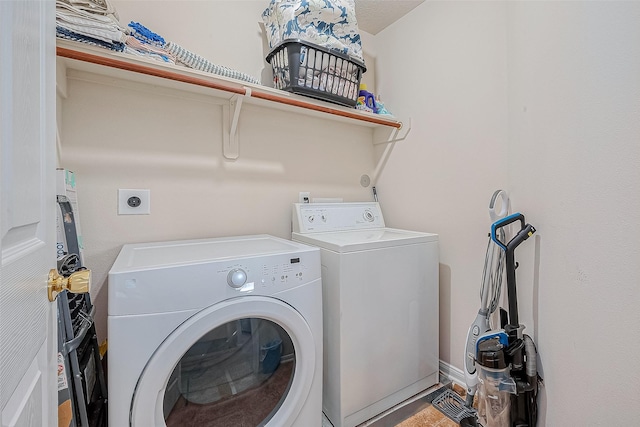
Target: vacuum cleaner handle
{"type": "Point", "coordinates": [526, 231]}
{"type": "Point", "coordinates": [503, 223]}
{"type": "Point", "coordinates": [521, 236]}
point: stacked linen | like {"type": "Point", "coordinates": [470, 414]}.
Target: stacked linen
{"type": "Point", "coordinates": [143, 42]}
{"type": "Point", "coordinates": [197, 62]}
{"type": "Point", "coordinates": [96, 22]}
{"type": "Point", "coordinates": [90, 21]}
{"type": "Point", "coordinates": [331, 24]}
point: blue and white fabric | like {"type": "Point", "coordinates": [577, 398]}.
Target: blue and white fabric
{"type": "Point", "coordinates": [96, 22]}
{"type": "Point", "coordinates": [331, 24]}
{"type": "Point", "coordinates": [197, 62]}
{"type": "Point", "coordinates": [143, 42]}
{"type": "Point", "coordinates": [70, 35]}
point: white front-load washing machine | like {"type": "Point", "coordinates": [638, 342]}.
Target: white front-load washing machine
{"type": "Point", "coordinates": [380, 301]}
{"type": "Point", "coordinates": [222, 331]}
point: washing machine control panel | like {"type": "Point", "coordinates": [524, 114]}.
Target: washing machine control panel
{"type": "Point", "coordinates": [328, 217]}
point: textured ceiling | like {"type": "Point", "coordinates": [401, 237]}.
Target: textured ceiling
{"type": "Point", "coordinates": [375, 15]}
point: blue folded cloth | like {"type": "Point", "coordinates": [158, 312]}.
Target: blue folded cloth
{"type": "Point", "coordinates": [145, 35]}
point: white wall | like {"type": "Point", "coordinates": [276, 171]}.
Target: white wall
{"type": "Point", "coordinates": [450, 78]}
{"type": "Point", "coordinates": [542, 99]}
{"type": "Point", "coordinates": [574, 157]}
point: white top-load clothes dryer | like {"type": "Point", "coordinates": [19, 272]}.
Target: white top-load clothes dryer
{"type": "Point", "coordinates": [221, 331]}
{"type": "Point", "coordinates": [380, 308]}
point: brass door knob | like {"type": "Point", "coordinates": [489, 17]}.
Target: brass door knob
{"type": "Point", "coordinates": [78, 283]}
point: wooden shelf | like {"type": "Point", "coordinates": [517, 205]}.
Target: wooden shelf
{"type": "Point", "coordinates": [84, 57]}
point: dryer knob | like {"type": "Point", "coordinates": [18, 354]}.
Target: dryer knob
{"type": "Point", "coordinates": [237, 278]}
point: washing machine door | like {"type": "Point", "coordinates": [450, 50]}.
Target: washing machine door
{"type": "Point", "coordinates": [225, 366]}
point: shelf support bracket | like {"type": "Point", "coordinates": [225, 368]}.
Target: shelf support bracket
{"type": "Point", "coordinates": [390, 144]}
{"type": "Point", "coordinates": [230, 117]}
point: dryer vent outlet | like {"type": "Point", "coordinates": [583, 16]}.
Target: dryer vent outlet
{"type": "Point", "coordinates": [134, 202]}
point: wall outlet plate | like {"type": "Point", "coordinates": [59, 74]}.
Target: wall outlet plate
{"type": "Point", "coordinates": [134, 202]}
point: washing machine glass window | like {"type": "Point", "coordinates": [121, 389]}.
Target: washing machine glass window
{"type": "Point", "coordinates": [239, 372]}
{"type": "Point", "coordinates": [262, 315]}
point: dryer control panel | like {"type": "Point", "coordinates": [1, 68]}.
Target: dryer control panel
{"type": "Point", "coordinates": [270, 274]}
{"type": "Point", "coordinates": [328, 217]}
{"type": "Point", "coordinates": [167, 277]}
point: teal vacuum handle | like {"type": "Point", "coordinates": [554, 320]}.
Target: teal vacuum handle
{"type": "Point", "coordinates": [503, 223]}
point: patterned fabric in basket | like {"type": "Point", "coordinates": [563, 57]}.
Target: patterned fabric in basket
{"type": "Point", "coordinates": [327, 23]}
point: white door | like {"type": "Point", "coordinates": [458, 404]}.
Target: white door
{"type": "Point", "coordinates": [28, 345]}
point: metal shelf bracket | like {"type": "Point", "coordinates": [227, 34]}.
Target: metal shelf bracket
{"type": "Point", "coordinates": [230, 117]}
{"type": "Point", "coordinates": [390, 144]}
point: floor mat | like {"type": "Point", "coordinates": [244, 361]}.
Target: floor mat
{"type": "Point", "coordinates": [452, 405]}
{"type": "Point", "coordinates": [429, 417]}
{"type": "Point", "coordinates": [415, 412]}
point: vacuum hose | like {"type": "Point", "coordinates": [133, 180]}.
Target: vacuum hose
{"type": "Point", "coordinates": [531, 367]}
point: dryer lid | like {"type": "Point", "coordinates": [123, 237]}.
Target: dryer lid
{"type": "Point", "coordinates": [348, 227]}
{"type": "Point", "coordinates": [145, 256]}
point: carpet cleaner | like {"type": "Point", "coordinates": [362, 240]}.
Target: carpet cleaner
{"type": "Point", "coordinates": [490, 290]}
{"type": "Point", "coordinates": [504, 360]}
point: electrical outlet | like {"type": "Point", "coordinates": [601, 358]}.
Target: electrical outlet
{"type": "Point", "coordinates": [304, 197]}
{"type": "Point", "coordinates": [134, 202]}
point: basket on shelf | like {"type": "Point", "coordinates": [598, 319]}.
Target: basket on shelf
{"type": "Point", "coordinates": [307, 69]}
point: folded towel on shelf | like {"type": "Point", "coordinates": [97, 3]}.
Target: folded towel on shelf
{"type": "Point", "coordinates": [70, 35]}
{"type": "Point", "coordinates": [95, 22]}
{"type": "Point", "coordinates": [135, 47]}
{"type": "Point", "coordinates": [94, 19]}
{"type": "Point", "coordinates": [197, 62]}
{"type": "Point", "coordinates": [143, 42]}
{"type": "Point", "coordinates": [64, 7]}
{"type": "Point", "coordinates": [94, 7]}
{"type": "Point", "coordinates": [145, 35]}
{"type": "Point", "coordinates": [98, 30]}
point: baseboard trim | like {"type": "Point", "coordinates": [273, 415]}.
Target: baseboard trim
{"type": "Point", "coordinates": [452, 373]}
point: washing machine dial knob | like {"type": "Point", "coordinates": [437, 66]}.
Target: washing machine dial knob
{"type": "Point", "coordinates": [368, 216]}
{"type": "Point", "coordinates": [237, 278]}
